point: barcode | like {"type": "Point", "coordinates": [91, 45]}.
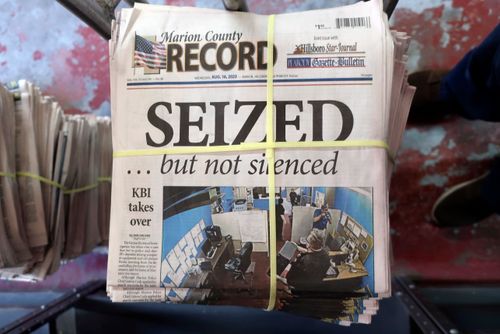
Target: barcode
{"type": "Point", "coordinates": [352, 22]}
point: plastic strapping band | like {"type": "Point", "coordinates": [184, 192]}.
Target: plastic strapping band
{"type": "Point", "coordinates": [57, 184]}
{"type": "Point", "coordinates": [270, 162]}
{"type": "Point", "coordinates": [41, 179]}
{"type": "Point", "coordinates": [367, 143]}
{"type": "Point", "coordinates": [11, 175]}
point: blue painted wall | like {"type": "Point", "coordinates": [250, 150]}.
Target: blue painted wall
{"type": "Point", "coordinates": [261, 203]}
{"type": "Point", "coordinates": [359, 207]}
{"type": "Point", "coordinates": [175, 227]}
{"type": "Point", "coordinates": [228, 199]}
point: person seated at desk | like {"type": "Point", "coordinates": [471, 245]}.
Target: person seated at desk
{"type": "Point", "coordinates": [311, 265]}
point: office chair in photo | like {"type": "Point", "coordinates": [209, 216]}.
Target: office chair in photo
{"type": "Point", "coordinates": [239, 264]}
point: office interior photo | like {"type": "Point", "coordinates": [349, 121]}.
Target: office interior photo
{"type": "Point", "coordinates": [216, 239]}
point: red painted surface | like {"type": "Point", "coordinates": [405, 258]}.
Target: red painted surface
{"type": "Point", "coordinates": [420, 248]}
{"type": "Point", "coordinates": [37, 55]}
{"type": "Point", "coordinates": [191, 3]}
{"type": "Point", "coordinates": [271, 7]}
{"type": "Point", "coordinates": [64, 87]}
{"type": "Point", "coordinates": [462, 26]}
{"type": "Point", "coordinates": [443, 36]}
{"type": "Point", "coordinates": [91, 59]}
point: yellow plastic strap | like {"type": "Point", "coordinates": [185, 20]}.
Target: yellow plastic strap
{"type": "Point", "coordinates": [78, 190]}
{"type": "Point", "coordinates": [11, 175]}
{"type": "Point", "coordinates": [57, 184]}
{"type": "Point", "coordinates": [360, 143]}
{"type": "Point", "coordinates": [41, 179]}
{"type": "Point", "coordinates": [270, 162]}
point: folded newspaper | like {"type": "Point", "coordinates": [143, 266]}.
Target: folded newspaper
{"type": "Point", "coordinates": [54, 183]}
{"type": "Point", "coordinates": [252, 157]}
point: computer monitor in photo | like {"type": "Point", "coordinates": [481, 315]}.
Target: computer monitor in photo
{"type": "Point", "coordinates": [206, 247]}
{"type": "Point", "coordinates": [213, 233]}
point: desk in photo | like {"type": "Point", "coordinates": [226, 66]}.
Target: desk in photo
{"type": "Point", "coordinates": [204, 281]}
{"type": "Point", "coordinates": [349, 278]}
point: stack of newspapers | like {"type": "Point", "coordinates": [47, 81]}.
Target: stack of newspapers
{"type": "Point", "coordinates": [55, 192]}
{"type": "Point", "coordinates": [252, 157]}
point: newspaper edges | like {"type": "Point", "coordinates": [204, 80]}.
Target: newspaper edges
{"type": "Point", "coordinates": [54, 183]}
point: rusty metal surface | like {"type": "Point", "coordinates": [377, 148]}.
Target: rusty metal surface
{"type": "Point", "coordinates": [43, 42]}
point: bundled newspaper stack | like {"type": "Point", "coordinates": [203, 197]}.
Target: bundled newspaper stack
{"type": "Point", "coordinates": [252, 157]}
{"type": "Point", "coordinates": [55, 192]}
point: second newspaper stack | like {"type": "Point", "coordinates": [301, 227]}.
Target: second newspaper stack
{"type": "Point", "coordinates": [252, 157]}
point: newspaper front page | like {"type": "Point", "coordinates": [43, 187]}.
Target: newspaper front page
{"type": "Point", "coordinates": [190, 204]}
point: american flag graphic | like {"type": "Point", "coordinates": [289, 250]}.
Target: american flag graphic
{"type": "Point", "coordinates": [149, 54]}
